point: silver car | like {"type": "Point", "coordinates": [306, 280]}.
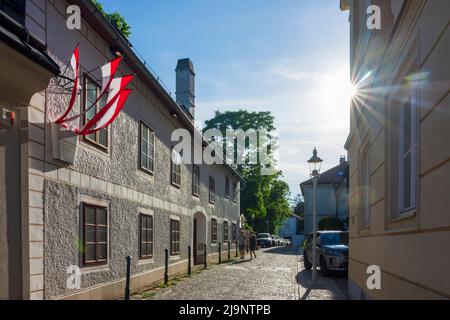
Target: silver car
{"type": "Point", "coordinates": [332, 251]}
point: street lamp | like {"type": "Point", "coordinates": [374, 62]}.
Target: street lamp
{"type": "Point", "coordinates": [314, 166]}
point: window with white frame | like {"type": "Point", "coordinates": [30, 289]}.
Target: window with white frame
{"type": "Point", "coordinates": [196, 180]}
{"type": "Point", "coordinates": [92, 92]}
{"type": "Point", "coordinates": [234, 190]}
{"type": "Point", "coordinates": [212, 190]}
{"type": "Point", "coordinates": [174, 237]}
{"type": "Point", "coordinates": [213, 230]}
{"type": "Point", "coordinates": [225, 231]}
{"type": "Point", "coordinates": [147, 154]}
{"type": "Point", "coordinates": [227, 187]}
{"type": "Point", "coordinates": [408, 145]}
{"type": "Point", "coordinates": [175, 168]}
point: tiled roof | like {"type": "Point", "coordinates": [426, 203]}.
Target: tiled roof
{"type": "Point", "coordinates": [333, 176]}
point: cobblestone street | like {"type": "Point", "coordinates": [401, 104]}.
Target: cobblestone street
{"type": "Point", "coordinates": [276, 274]}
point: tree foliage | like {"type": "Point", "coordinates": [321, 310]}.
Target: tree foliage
{"type": "Point", "coordinates": [298, 205]}
{"type": "Point", "coordinates": [264, 198]}
{"type": "Point", "coordinates": [331, 223]}
{"type": "Point", "coordinates": [278, 209]}
{"type": "Point", "coordinates": [116, 19]}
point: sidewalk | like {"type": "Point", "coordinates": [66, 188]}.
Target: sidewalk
{"type": "Point", "coordinates": [326, 288]}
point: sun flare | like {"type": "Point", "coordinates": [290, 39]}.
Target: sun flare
{"type": "Point", "coordinates": [336, 92]}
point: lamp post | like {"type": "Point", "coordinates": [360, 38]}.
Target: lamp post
{"type": "Point", "coordinates": [314, 166]}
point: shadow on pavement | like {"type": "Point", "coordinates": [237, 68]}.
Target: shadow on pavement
{"type": "Point", "coordinates": [332, 283]}
{"type": "Point", "coordinates": [241, 261]}
{"type": "Point", "coordinates": [282, 250]}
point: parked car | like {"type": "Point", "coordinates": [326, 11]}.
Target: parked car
{"type": "Point", "coordinates": [287, 242]}
{"type": "Point", "coordinates": [264, 240]}
{"type": "Point", "coordinates": [272, 241]}
{"type": "Point", "coordinates": [332, 251]}
{"type": "Point", "coordinates": [276, 241]}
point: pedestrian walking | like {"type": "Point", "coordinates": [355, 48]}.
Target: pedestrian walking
{"type": "Point", "coordinates": [253, 245]}
{"type": "Point", "coordinates": [242, 240]}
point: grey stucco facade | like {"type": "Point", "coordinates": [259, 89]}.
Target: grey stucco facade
{"type": "Point", "coordinates": [54, 191]}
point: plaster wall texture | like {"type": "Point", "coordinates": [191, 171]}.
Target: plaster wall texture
{"type": "Point", "coordinates": [113, 176]}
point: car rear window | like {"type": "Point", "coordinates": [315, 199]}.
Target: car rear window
{"type": "Point", "coordinates": [334, 238]}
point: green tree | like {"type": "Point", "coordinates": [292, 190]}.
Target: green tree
{"type": "Point", "coordinates": [298, 205]}
{"type": "Point", "coordinates": [264, 198]}
{"type": "Point", "coordinates": [278, 209]}
{"type": "Point", "coordinates": [116, 19]}
{"type": "Point", "coordinates": [331, 223]}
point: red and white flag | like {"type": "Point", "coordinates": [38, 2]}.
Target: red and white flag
{"type": "Point", "coordinates": [108, 73]}
{"type": "Point", "coordinates": [115, 102]}
{"type": "Point", "coordinates": [75, 65]}
{"type": "Point", "coordinates": [117, 96]}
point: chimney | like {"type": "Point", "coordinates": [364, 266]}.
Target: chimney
{"type": "Point", "coordinates": [342, 160]}
{"type": "Point", "coordinates": [185, 85]}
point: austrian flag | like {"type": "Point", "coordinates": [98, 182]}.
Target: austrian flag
{"type": "Point", "coordinates": [75, 65]}
{"type": "Point", "coordinates": [115, 102]}
{"type": "Point", "coordinates": [115, 88]}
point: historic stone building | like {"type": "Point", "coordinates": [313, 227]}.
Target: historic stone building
{"type": "Point", "coordinates": [70, 202]}
{"type": "Point", "coordinates": [399, 149]}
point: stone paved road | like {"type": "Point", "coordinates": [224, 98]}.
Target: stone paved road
{"type": "Point", "coordinates": [276, 274]}
{"type": "Point", "coordinates": [271, 276]}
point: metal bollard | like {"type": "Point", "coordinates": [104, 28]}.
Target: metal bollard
{"type": "Point", "coordinates": [189, 261]}
{"type": "Point", "coordinates": [220, 252]}
{"type": "Point", "coordinates": [229, 250]}
{"type": "Point", "coordinates": [206, 257]}
{"type": "Point", "coordinates": [128, 276]}
{"type": "Point", "coordinates": [166, 266]}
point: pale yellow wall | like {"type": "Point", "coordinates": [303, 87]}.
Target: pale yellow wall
{"type": "Point", "coordinates": [413, 252]}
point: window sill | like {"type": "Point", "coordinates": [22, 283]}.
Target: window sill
{"type": "Point", "coordinates": [96, 148]}
{"type": "Point", "coordinates": [146, 172]}
{"type": "Point", "coordinates": [143, 262]}
{"type": "Point", "coordinates": [94, 269]}
{"type": "Point", "coordinates": [365, 227]}
{"type": "Point", "coordinates": [96, 145]}
{"type": "Point", "coordinates": [404, 216]}
{"type": "Point", "coordinates": [175, 186]}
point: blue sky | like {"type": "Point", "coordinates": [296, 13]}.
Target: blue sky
{"type": "Point", "coordinates": [290, 57]}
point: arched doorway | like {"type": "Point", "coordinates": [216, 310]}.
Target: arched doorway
{"type": "Point", "coordinates": [199, 237]}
